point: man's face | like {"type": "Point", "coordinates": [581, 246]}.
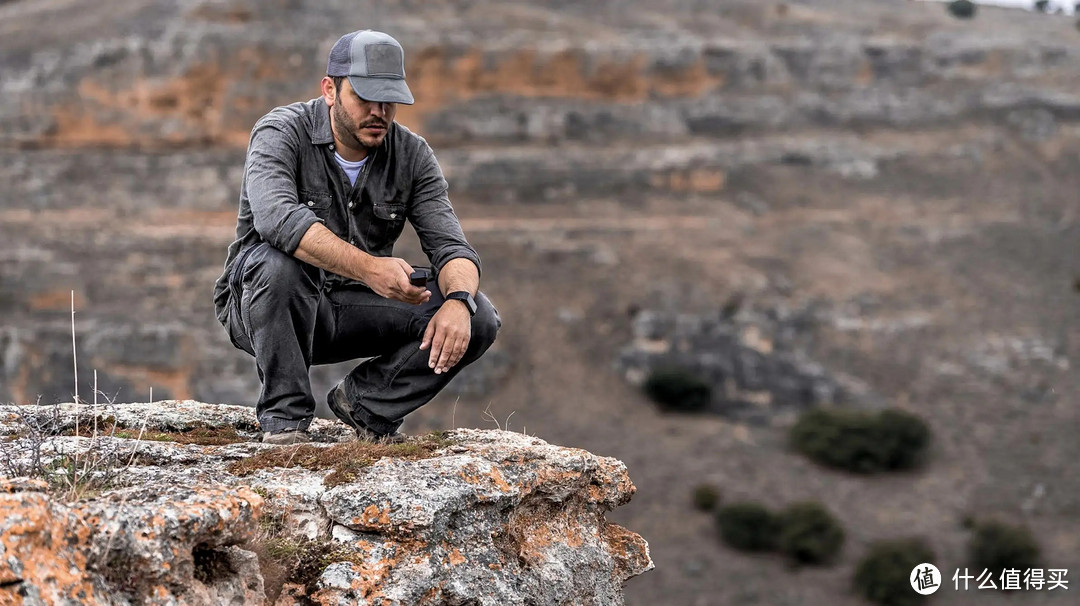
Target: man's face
{"type": "Point", "coordinates": [358, 123]}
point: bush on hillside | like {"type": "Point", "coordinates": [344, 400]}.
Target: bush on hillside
{"type": "Point", "coordinates": [882, 576]}
{"type": "Point", "coordinates": [678, 389]}
{"type": "Point", "coordinates": [809, 534]}
{"type": "Point", "coordinates": [748, 526]}
{"type": "Point", "coordinates": [904, 436]}
{"type": "Point", "coordinates": [706, 497]}
{"type": "Point", "coordinates": [996, 546]}
{"type": "Point", "coordinates": [859, 441]}
{"type": "Point", "coordinates": [962, 9]}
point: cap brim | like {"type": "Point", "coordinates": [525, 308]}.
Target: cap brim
{"type": "Point", "coordinates": [382, 90]}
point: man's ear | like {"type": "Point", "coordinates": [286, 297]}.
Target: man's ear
{"type": "Point", "coordinates": [329, 92]}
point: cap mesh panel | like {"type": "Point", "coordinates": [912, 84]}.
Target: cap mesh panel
{"type": "Point", "coordinates": [339, 62]}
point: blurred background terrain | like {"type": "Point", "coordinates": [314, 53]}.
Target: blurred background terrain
{"type": "Point", "coordinates": [860, 202]}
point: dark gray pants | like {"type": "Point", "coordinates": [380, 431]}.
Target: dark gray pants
{"type": "Point", "coordinates": [282, 313]}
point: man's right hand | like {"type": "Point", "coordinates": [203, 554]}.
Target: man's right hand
{"type": "Point", "coordinates": [389, 277]}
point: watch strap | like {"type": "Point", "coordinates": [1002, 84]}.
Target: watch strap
{"type": "Point", "coordinates": [465, 297]}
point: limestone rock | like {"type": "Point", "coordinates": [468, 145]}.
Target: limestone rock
{"type": "Point", "coordinates": [487, 517]}
{"type": "Point", "coordinates": [160, 543]}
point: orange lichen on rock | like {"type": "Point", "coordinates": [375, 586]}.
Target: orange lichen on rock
{"type": "Point", "coordinates": [38, 548]}
{"type": "Point", "coordinates": [630, 551]}
{"type": "Point", "coordinates": [375, 516]}
{"type": "Point", "coordinates": [486, 480]}
{"type": "Point", "coordinates": [455, 557]}
{"type": "Point", "coordinates": [497, 476]}
{"type": "Point", "coordinates": [369, 569]}
{"type": "Point", "coordinates": [538, 526]}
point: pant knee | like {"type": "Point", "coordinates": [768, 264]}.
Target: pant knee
{"type": "Point", "coordinates": [277, 274]}
{"type": "Point", "coordinates": [486, 322]}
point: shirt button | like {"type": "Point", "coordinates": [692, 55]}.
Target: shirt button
{"type": "Point", "coordinates": [331, 147]}
{"type": "Point", "coordinates": [351, 204]}
{"type": "Point", "coordinates": [310, 203]}
{"type": "Point", "coordinates": [353, 242]}
{"type": "Point", "coordinates": [393, 215]}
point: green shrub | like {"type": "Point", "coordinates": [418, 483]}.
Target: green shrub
{"type": "Point", "coordinates": [904, 438]}
{"type": "Point", "coordinates": [962, 9]}
{"type": "Point", "coordinates": [1043, 6]}
{"type": "Point", "coordinates": [706, 497]}
{"type": "Point", "coordinates": [859, 441]}
{"type": "Point", "coordinates": [809, 534]}
{"type": "Point", "coordinates": [883, 575]}
{"type": "Point", "coordinates": [748, 526]}
{"type": "Point", "coordinates": [996, 546]}
{"type": "Point", "coordinates": [678, 389]}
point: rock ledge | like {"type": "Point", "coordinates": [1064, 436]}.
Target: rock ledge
{"type": "Point", "coordinates": [491, 517]}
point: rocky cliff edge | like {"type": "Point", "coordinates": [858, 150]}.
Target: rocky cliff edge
{"type": "Point", "coordinates": [175, 502]}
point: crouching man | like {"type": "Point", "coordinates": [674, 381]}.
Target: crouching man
{"type": "Point", "coordinates": [310, 279]}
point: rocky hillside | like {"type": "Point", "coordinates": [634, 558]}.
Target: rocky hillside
{"type": "Point", "coordinates": [173, 503]}
{"type": "Point", "coordinates": [864, 201]}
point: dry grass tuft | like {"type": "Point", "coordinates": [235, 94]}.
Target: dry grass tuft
{"type": "Point", "coordinates": [204, 436]}
{"type": "Point", "coordinates": [346, 460]}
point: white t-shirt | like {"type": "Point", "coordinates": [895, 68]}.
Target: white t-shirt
{"type": "Point", "coordinates": [352, 169]}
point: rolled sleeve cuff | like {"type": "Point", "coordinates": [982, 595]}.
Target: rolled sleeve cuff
{"type": "Point", "coordinates": [293, 228]}
{"type": "Point", "coordinates": [447, 255]}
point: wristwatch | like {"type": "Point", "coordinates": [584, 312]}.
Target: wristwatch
{"type": "Point", "coordinates": [466, 297]}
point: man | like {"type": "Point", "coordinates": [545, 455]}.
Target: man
{"type": "Point", "coordinates": [311, 279]}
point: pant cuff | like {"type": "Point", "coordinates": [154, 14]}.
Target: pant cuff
{"type": "Point", "coordinates": [274, 425]}
{"type": "Point", "coordinates": [374, 423]}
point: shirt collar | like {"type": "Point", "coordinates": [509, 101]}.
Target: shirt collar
{"type": "Point", "coordinates": [321, 133]}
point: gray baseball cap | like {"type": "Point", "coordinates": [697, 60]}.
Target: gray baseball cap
{"type": "Point", "coordinates": [375, 65]}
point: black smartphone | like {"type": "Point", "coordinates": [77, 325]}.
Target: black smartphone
{"type": "Point", "coordinates": [420, 277]}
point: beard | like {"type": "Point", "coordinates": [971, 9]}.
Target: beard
{"type": "Point", "coordinates": [351, 133]}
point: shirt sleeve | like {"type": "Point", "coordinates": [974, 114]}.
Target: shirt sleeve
{"type": "Point", "coordinates": [433, 217]}
{"type": "Point", "coordinates": [270, 186]}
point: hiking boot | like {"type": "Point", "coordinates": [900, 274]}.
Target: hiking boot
{"type": "Point", "coordinates": [341, 406]}
{"type": "Point", "coordinates": [343, 409]}
{"type": "Point", "coordinates": [364, 434]}
{"type": "Point", "coordinates": [287, 437]}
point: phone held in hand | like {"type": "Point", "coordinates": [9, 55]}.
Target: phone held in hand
{"type": "Point", "coordinates": [420, 276]}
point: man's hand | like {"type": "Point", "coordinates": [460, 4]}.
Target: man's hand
{"type": "Point", "coordinates": [447, 334]}
{"type": "Point", "coordinates": [389, 277]}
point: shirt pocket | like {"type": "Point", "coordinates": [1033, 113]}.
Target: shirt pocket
{"type": "Point", "coordinates": [318, 201]}
{"type": "Point", "coordinates": [389, 211]}
{"type": "Point", "coordinates": [386, 226]}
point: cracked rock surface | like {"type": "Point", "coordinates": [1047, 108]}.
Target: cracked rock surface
{"type": "Point", "coordinates": [490, 517]}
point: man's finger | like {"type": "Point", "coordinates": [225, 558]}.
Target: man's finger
{"type": "Point", "coordinates": [455, 354]}
{"type": "Point", "coordinates": [438, 341]}
{"type": "Point", "coordinates": [453, 358]}
{"type": "Point", "coordinates": [460, 351]}
{"type": "Point", "coordinates": [429, 332]}
{"type": "Point", "coordinates": [444, 358]}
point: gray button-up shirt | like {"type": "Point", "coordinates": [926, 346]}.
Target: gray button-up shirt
{"type": "Point", "coordinates": [291, 180]}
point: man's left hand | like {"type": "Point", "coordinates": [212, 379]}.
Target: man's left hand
{"type": "Point", "coordinates": [447, 334]}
